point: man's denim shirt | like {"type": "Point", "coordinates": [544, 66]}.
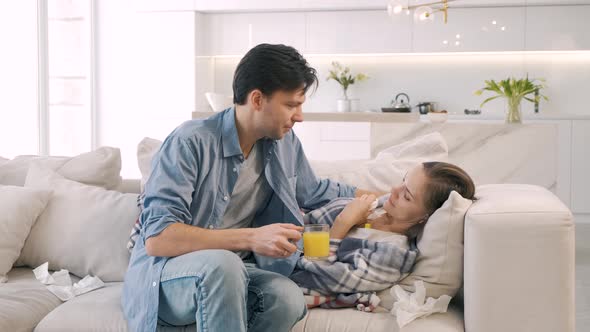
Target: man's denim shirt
{"type": "Point", "coordinates": [192, 177]}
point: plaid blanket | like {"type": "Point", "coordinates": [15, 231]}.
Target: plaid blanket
{"type": "Point", "coordinates": [356, 268]}
{"type": "Point", "coordinates": [136, 226]}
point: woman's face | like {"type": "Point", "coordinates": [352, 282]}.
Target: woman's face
{"type": "Point", "coordinates": [405, 206]}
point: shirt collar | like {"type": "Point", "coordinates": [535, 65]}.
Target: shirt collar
{"type": "Point", "coordinates": [229, 134]}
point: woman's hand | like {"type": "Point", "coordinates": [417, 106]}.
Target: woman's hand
{"type": "Point", "coordinates": [357, 211]}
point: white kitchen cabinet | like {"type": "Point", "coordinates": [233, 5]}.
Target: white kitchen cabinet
{"type": "Point", "coordinates": [472, 30]}
{"type": "Point", "coordinates": [163, 5]}
{"type": "Point", "coordinates": [346, 132]}
{"type": "Point", "coordinates": [580, 166]}
{"type": "Point", "coordinates": [287, 5]}
{"type": "Point", "coordinates": [235, 34]}
{"type": "Point", "coordinates": [241, 5]}
{"type": "Point", "coordinates": [553, 28]}
{"type": "Point", "coordinates": [334, 140]}
{"type": "Point", "coordinates": [357, 32]}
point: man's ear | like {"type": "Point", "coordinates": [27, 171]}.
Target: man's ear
{"type": "Point", "coordinates": [256, 99]}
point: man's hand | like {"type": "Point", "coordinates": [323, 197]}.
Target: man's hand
{"type": "Point", "coordinates": [275, 240]}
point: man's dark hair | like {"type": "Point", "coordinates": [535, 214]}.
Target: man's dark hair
{"type": "Point", "coordinates": [270, 68]}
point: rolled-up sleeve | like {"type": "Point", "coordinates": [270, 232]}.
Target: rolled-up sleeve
{"type": "Point", "coordinates": [311, 191]}
{"type": "Point", "coordinates": [169, 190]}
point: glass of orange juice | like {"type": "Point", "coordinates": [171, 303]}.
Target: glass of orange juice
{"type": "Point", "coordinates": [316, 241]}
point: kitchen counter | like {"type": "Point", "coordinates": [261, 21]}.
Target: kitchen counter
{"type": "Point", "coordinates": [376, 117]}
{"type": "Point", "coordinates": [379, 117]}
{"type": "Point", "coordinates": [525, 117]}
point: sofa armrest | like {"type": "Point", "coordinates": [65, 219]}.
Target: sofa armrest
{"type": "Point", "coordinates": [519, 261]}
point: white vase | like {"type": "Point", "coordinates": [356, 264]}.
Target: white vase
{"type": "Point", "coordinates": [343, 105]}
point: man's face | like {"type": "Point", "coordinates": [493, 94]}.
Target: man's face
{"type": "Point", "coordinates": [280, 112]}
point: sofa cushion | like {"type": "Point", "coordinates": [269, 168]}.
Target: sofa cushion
{"type": "Point", "coordinates": [352, 320]}
{"type": "Point", "coordinates": [24, 301]}
{"type": "Point", "coordinates": [83, 229]}
{"type": "Point", "coordinates": [20, 208]}
{"type": "Point", "coordinates": [99, 310]}
{"type": "Point", "coordinates": [101, 167]}
{"type": "Point", "coordinates": [146, 149]}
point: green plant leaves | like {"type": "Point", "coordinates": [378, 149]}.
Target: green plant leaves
{"type": "Point", "coordinates": [513, 89]}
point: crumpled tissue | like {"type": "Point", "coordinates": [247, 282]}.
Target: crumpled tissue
{"type": "Point", "coordinates": [60, 284]}
{"type": "Point", "coordinates": [410, 306]}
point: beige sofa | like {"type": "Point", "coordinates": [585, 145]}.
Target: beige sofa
{"type": "Point", "coordinates": [518, 276]}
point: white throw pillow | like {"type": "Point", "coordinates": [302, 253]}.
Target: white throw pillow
{"type": "Point", "coordinates": [431, 146]}
{"type": "Point", "coordinates": [146, 149]}
{"type": "Point", "coordinates": [390, 166]}
{"type": "Point", "coordinates": [19, 208]}
{"type": "Point", "coordinates": [101, 167]}
{"type": "Point", "coordinates": [83, 229]}
{"type": "Point", "coordinates": [376, 175]}
{"type": "Point", "coordinates": [440, 262]}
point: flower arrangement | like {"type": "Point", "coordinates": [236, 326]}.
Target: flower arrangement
{"type": "Point", "coordinates": [514, 90]}
{"type": "Point", "coordinates": [343, 76]}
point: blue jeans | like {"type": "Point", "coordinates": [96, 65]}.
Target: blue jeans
{"type": "Point", "coordinates": [219, 292]}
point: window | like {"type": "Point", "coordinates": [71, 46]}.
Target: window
{"type": "Point", "coordinates": [46, 77]}
{"type": "Point", "coordinates": [18, 78]}
{"type": "Point", "coordinates": [69, 31]}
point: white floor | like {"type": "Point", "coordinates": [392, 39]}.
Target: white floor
{"type": "Point", "coordinates": [582, 277]}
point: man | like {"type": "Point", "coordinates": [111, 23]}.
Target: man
{"type": "Point", "coordinates": [222, 216]}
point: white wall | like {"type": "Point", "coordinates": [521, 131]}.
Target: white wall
{"type": "Point", "coordinates": [145, 76]}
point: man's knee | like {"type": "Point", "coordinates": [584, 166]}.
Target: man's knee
{"type": "Point", "coordinates": [287, 299]}
{"type": "Point", "coordinates": [224, 266]}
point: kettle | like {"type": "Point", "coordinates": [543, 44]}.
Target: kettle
{"type": "Point", "coordinates": [399, 105]}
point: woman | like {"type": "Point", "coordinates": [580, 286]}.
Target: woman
{"type": "Point", "coordinates": [357, 267]}
{"type": "Point", "coordinates": [425, 188]}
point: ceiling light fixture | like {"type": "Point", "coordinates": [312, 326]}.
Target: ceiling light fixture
{"type": "Point", "coordinates": [422, 12]}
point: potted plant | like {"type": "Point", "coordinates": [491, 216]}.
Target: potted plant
{"type": "Point", "coordinates": [343, 76]}
{"type": "Point", "coordinates": [514, 90]}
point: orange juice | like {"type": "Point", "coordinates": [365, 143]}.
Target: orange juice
{"type": "Point", "coordinates": [316, 244]}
